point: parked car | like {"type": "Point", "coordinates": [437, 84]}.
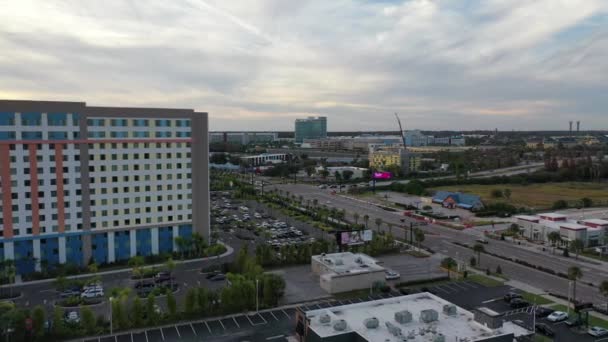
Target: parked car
{"type": "Point", "coordinates": [543, 312]}
{"type": "Point", "coordinates": [510, 296]}
{"type": "Point", "coordinates": [391, 275]}
{"type": "Point", "coordinates": [218, 277]}
{"type": "Point", "coordinates": [143, 284]}
{"type": "Point", "coordinates": [544, 329]}
{"type": "Point", "coordinates": [484, 241]}
{"type": "Point", "coordinates": [92, 293]}
{"type": "Point", "coordinates": [212, 274]}
{"type": "Point", "coordinates": [517, 303]}
{"type": "Point", "coordinates": [72, 317]}
{"type": "Point", "coordinates": [70, 293]}
{"type": "Point", "coordinates": [597, 331]}
{"type": "Point", "coordinates": [557, 316]}
{"type": "Point", "coordinates": [161, 277]}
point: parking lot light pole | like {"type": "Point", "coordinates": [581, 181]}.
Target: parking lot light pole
{"type": "Point", "coordinates": [534, 310]}
{"type": "Point", "coordinates": [257, 295]}
{"type": "Point", "coordinates": [111, 314]}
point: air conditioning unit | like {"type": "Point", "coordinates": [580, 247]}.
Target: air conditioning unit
{"type": "Point", "coordinates": [340, 325]}
{"type": "Point", "coordinates": [449, 309]}
{"type": "Point", "coordinates": [428, 316]}
{"type": "Point", "coordinates": [403, 317]}
{"type": "Point", "coordinates": [324, 319]}
{"type": "Point", "coordinates": [371, 323]}
{"type": "Point", "coordinates": [439, 338]}
{"type": "Point", "coordinates": [393, 329]}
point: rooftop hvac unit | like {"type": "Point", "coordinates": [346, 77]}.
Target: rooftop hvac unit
{"type": "Point", "coordinates": [371, 323]}
{"type": "Point", "coordinates": [403, 317]}
{"type": "Point", "coordinates": [324, 319]}
{"type": "Point", "coordinates": [393, 329]}
{"type": "Point", "coordinates": [439, 338]}
{"type": "Point", "coordinates": [428, 316]}
{"type": "Point", "coordinates": [340, 325]}
{"type": "Point", "coordinates": [358, 260]}
{"type": "Point", "coordinates": [449, 309]}
{"type": "Point", "coordinates": [339, 262]}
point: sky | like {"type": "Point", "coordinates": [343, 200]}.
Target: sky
{"type": "Point", "coordinates": [258, 65]}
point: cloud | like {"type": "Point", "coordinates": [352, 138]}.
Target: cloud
{"type": "Point", "coordinates": [257, 64]}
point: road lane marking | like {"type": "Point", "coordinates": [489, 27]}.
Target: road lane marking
{"type": "Point", "coordinates": [115, 338]}
{"type": "Point", "coordinates": [439, 288]}
{"type": "Point", "coordinates": [275, 317]}
{"type": "Point", "coordinates": [235, 322]}
{"type": "Point", "coordinates": [146, 333]}
{"type": "Point", "coordinates": [193, 331]}
{"type": "Point", "coordinates": [131, 337]}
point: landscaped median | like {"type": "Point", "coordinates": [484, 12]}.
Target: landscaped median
{"type": "Point", "coordinates": [593, 320]}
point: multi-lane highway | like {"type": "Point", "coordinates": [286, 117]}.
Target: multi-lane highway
{"type": "Point", "coordinates": [441, 240]}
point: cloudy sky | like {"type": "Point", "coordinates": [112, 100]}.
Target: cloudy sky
{"type": "Point", "coordinates": [257, 65]}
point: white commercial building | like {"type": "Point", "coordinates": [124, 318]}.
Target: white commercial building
{"type": "Point", "coordinates": [417, 318]}
{"type": "Point", "coordinates": [538, 227]}
{"type": "Point", "coordinates": [265, 159]}
{"type": "Point", "coordinates": [358, 172]}
{"type": "Point", "coordinates": [343, 272]}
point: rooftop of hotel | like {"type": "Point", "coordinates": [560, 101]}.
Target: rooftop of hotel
{"type": "Point", "coordinates": [460, 324]}
{"type": "Point", "coordinates": [599, 222]}
{"type": "Point", "coordinates": [342, 263]}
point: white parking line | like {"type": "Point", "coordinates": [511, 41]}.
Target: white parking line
{"type": "Point", "coordinates": [459, 285]}
{"type": "Point", "coordinates": [263, 319]}
{"type": "Point", "coordinates": [473, 285]}
{"type": "Point", "coordinates": [275, 317]}
{"type": "Point", "coordinates": [449, 286]}
{"type": "Point", "coordinates": [274, 337]}
{"type": "Point", "coordinates": [193, 331]}
{"type": "Point", "coordinates": [207, 325]}
{"type": "Point", "coordinates": [222, 324]}
{"type": "Point", "coordinates": [146, 333]}
{"type": "Point", "coordinates": [115, 338]}
{"type": "Point", "coordinates": [440, 289]}
{"type": "Point", "coordinates": [178, 334]}
{"type": "Point", "coordinates": [250, 321]}
{"type": "Point", "coordinates": [131, 337]}
{"type": "Point", "coordinates": [235, 322]}
{"type": "Point", "coordinates": [286, 314]}
{"type": "Point", "coordinates": [162, 334]}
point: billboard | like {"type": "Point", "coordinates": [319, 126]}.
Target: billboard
{"type": "Point", "coordinates": [382, 175]}
{"type": "Point", "coordinates": [356, 237]}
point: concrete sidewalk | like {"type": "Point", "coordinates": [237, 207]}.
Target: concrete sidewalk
{"type": "Point", "coordinates": [229, 251]}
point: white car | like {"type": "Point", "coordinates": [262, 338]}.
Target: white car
{"type": "Point", "coordinates": [597, 331]}
{"type": "Point", "coordinates": [92, 293]}
{"type": "Point", "coordinates": [391, 275]}
{"type": "Point", "coordinates": [72, 317]}
{"type": "Point", "coordinates": [557, 316]}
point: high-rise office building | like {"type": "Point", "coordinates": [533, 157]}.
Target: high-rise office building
{"type": "Point", "coordinates": [310, 128]}
{"type": "Point", "coordinates": [82, 184]}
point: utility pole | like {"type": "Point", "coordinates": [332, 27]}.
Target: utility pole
{"type": "Point", "coordinates": [257, 295]}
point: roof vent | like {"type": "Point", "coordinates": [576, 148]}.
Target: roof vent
{"type": "Point", "coordinates": [324, 318]}
{"type": "Point", "coordinates": [439, 338]}
{"type": "Point", "coordinates": [428, 316]}
{"type": "Point", "coordinates": [340, 325]}
{"type": "Point", "coordinates": [358, 260]}
{"type": "Point", "coordinates": [371, 323]}
{"type": "Point", "coordinates": [393, 329]}
{"type": "Point", "coordinates": [449, 309]}
{"type": "Point", "coordinates": [339, 262]}
{"type": "Point", "coordinates": [403, 317]}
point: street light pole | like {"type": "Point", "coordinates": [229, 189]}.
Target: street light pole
{"type": "Point", "coordinates": [111, 314]}
{"type": "Point", "coordinates": [257, 295]}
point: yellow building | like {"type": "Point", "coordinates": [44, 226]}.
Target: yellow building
{"type": "Point", "coordinates": [383, 157]}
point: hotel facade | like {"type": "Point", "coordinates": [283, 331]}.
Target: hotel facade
{"type": "Point", "coordinates": [81, 184]}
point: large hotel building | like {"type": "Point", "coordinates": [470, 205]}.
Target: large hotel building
{"type": "Point", "coordinates": [82, 184]}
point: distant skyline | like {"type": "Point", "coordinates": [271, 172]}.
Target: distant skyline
{"type": "Point", "coordinates": [259, 65]}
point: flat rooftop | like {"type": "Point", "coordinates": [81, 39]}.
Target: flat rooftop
{"type": "Point", "coordinates": [344, 263]}
{"type": "Point", "coordinates": [572, 226]}
{"type": "Point", "coordinates": [461, 325]}
{"type": "Point", "coordinates": [553, 215]}
{"type": "Point", "coordinates": [599, 222]}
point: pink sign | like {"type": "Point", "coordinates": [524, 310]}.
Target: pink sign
{"type": "Point", "coordinates": [382, 175]}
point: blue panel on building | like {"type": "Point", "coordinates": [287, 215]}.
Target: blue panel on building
{"type": "Point", "coordinates": [122, 245]}
{"type": "Point", "coordinates": [144, 242]}
{"type": "Point", "coordinates": [24, 257]}
{"type": "Point", "coordinates": [73, 250]}
{"type": "Point", "coordinates": [185, 231]}
{"type": "Point", "coordinates": [99, 248]}
{"type": "Point", "coordinates": [49, 252]}
{"type": "Point", "coordinates": [1, 246]}
{"type": "Point", "coordinates": [165, 239]}
{"type": "Point", "coordinates": [7, 119]}
{"type": "Point", "coordinates": [57, 119]}
{"type": "Point", "coordinates": [31, 119]}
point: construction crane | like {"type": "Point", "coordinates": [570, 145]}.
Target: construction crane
{"type": "Point", "coordinates": [401, 130]}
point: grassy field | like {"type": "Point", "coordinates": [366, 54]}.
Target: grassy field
{"type": "Point", "coordinates": [485, 281]}
{"type": "Point", "coordinates": [536, 195]}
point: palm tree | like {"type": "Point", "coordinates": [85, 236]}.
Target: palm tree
{"type": "Point", "coordinates": [390, 227]}
{"type": "Point", "coordinates": [577, 246]}
{"type": "Point", "coordinates": [366, 219]}
{"type": "Point", "coordinates": [378, 222]}
{"type": "Point", "coordinates": [554, 238]}
{"type": "Point", "coordinates": [574, 274]}
{"type": "Point", "coordinates": [478, 248]}
{"type": "Point", "coordinates": [356, 218]}
{"type": "Point", "coordinates": [136, 264]}
{"type": "Point", "coordinates": [419, 236]}
{"type": "Point", "coordinates": [181, 245]}
{"type": "Point", "coordinates": [315, 202]}
{"type": "Point", "coordinates": [604, 290]}
{"type": "Point", "coordinates": [449, 264]}
{"type": "Point", "coordinates": [170, 266]}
